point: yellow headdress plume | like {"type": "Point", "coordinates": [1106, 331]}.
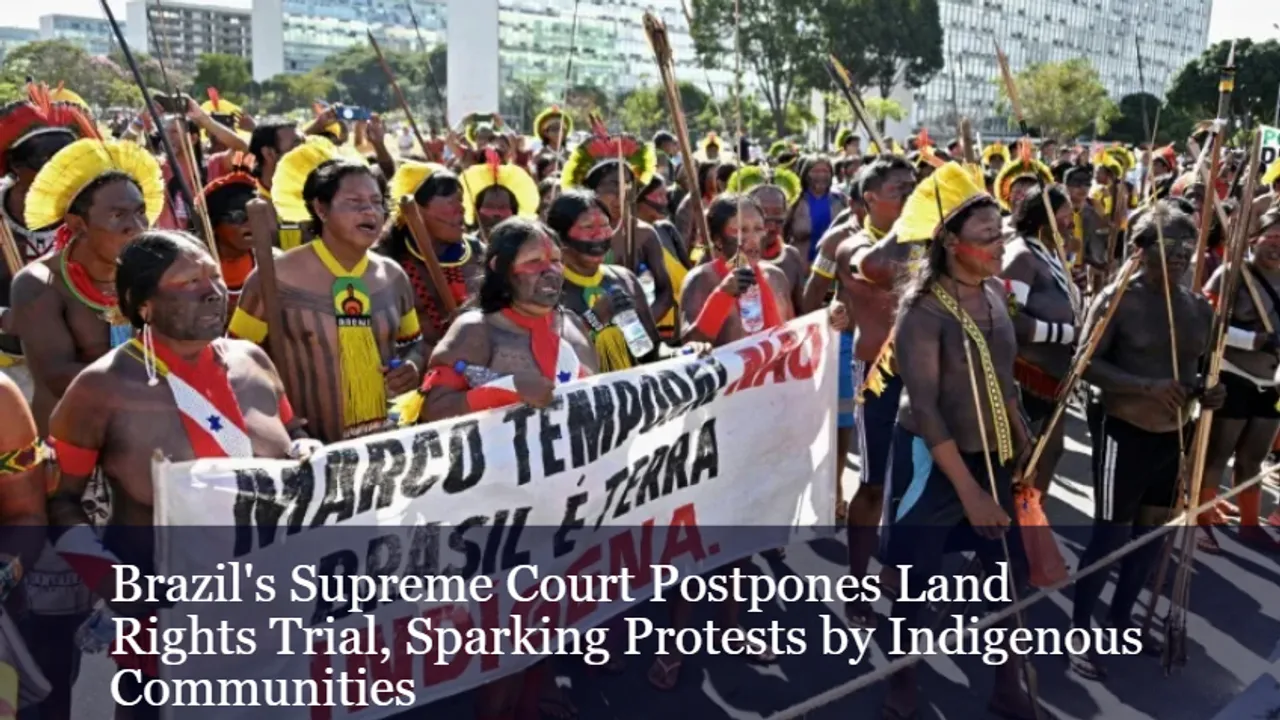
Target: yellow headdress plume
{"type": "Point", "coordinates": [217, 104]}
{"type": "Point", "coordinates": [61, 94]}
{"type": "Point", "coordinates": [842, 137]}
{"type": "Point", "coordinates": [550, 113]}
{"type": "Point", "coordinates": [994, 150]}
{"type": "Point", "coordinates": [291, 174]}
{"type": "Point", "coordinates": [71, 170]}
{"type": "Point", "coordinates": [408, 178]}
{"type": "Point", "coordinates": [946, 192]}
{"type": "Point", "coordinates": [1272, 175]}
{"type": "Point", "coordinates": [482, 176]}
{"type": "Point", "coordinates": [895, 148]}
{"type": "Point", "coordinates": [1109, 161]}
{"type": "Point", "coordinates": [472, 122]}
{"type": "Point", "coordinates": [744, 179]}
{"type": "Point", "coordinates": [1025, 165]}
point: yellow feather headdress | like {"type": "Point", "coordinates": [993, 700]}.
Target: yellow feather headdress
{"type": "Point", "coordinates": [1272, 174]}
{"type": "Point", "coordinates": [482, 176]}
{"type": "Point", "coordinates": [949, 190]}
{"type": "Point", "coordinates": [547, 115]}
{"type": "Point", "coordinates": [752, 176]}
{"type": "Point", "coordinates": [71, 170]}
{"type": "Point", "coordinates": [291, 174]}
{"type": "Point", "coordinates": [994, 150]}
{"type": "Point", "coordinates": [408, 178]}
{"type": "Point", "coordinates": [61, 94]}
{"type": "Point", "coordinates": [1109, 160]}
{"type": "Point", "coordinates": [1025, 166]}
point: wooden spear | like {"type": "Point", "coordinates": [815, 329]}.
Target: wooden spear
{"type": "Point", "coordinates": [262, 222]}
{"type": "Point", "coordinates": [844, 82]}
{"type": "Point", "coordinates": [426, 250]}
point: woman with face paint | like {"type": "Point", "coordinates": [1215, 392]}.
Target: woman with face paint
{"type": "Point", "coordinates": [227, 198]}
{"type": "Point", "coordinates": [438, 194]}
{"type": "Point", "coordinates": [599, 293]}
{"type": "Point", "coordinates": [819, 204]}
{"type": "Point", "coordinates": [493, 192]}
{"type": "Point", "coordinates": [519, 336]}
{"type": "Point", "coordinates": [1247, 424]}
{"type": "Point", "coordinates": [178, 387]}
{"type": "Point", "coordinates": [954, 340]}
{"type": "Point", "coordinates": [351, 335]}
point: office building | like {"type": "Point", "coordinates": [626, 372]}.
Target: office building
{"type": "Point", "coordinates": [180, 33]}
{"type": "Point", "coordinates": [1109, 33]}
{"type": "Point", "coordinates": [12, 37]}
{"type": "Point", "coordinates": [91, 33]}
{"type": "Point", "coordinates": [294, 36]}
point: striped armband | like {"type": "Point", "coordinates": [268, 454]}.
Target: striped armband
{"type": "Point", "coordinates": [13, 462]}
{"type": "Point", "coordinates": [1240, 338]}
{"type": "Point", "coordinates": [824, 267]}
{"type": "Point", "coordinates": [1018, 290]}
{"type": "Point", "coordinates": [1055, 333]}
{"type": "Point", "coordinates": [410, 332]}
{"type": "Point", "coordinates": [82, 549]}
{"type": "Point", "coordinates": [247, 327]}
{"type": "Point", "coordinates": [72, 459]}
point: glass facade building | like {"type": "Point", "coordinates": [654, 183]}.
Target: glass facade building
{"type": "Point", "coordinates": [11, 37]}
{"type": "Point", "coordinates": [181, 32]}
{"type": "Point", "coordinates": [1108, 33]}
{"type": "Point", "coordinates": [92, 34]}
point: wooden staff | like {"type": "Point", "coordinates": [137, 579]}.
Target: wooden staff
{"type": "Point", "coordinates": [564, 104]}
{"type": "Point", "coordinates": [1206, 212]}
{"type": "Point", "coordinates": [262, 222]}
{"type": "Point", "coordinates": [426, 250]}
{"type": "Point", "coordinates": [9, 247]}
{"type": "Point", "coordinates": [1149, 183]}
{"type": "Point", "coordinates": [1175, 623]}
{"type": "Point", "coordinates": [656, 31]}
{"type": "Point", "coordinates": [1078, 368]}
{"type": "Point", "coordinates": [711, 89]}
{"type": "Point", "coordinates": [844, 82]}
{"type": "Point", "coordinates": [967, 149]}
{"type": "Point", "coordinates": [200, 208]}
{"type": "Point", "coordinates": [997, 405]}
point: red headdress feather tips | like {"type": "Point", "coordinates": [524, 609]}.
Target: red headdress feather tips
{"type": "Point", "coordinates": [493, 161]}
{"type": "Point", "coordinates": [214, 97]}
{"type": "Point", "coordinates": [922, 140]}
{"type": "Point", "coordinates": [1024, 150]}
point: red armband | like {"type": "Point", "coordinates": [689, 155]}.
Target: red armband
{"type": "Point", "coordinates": [1212, 297]}
{"type": "Point", "coordinates": [714, 313]}
{"type": "Point", "coordinates": [286, 410]}
{"type": "Point", "coordinates": [73, 460]}
{"type": "Point", "coordinates": [442, 376]}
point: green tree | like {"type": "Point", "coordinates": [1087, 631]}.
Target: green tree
{"type": "Point", "coordinates": [644, 111]}
{"type": "Point", "coordinates": [1194, 92]}
{"type": "Point", "coordinates": [359, 79]}
{"type": "Point", "coordinates": [1136, 117]}
{"type": "Point", "coordinates": [228, 73]}
{"type": "Point", "coordinates": [11, 92]}
{"type": "Point", "coordinates": [882, 110]}
{"type": "Point", "coordinates": [523, 100]}
{"type": "Point", "coordinates": [158, 77]}
{"type": "Point", "coordinates": [583, 99]}
{"type": "Point", "coordinates": [287, 92]}
{"type": "Point", "coordinates": [885, 42]}
{"type": "Point", "coordinates": [777, 41]}
{"type": "Point", "coordinates": [1062, 99]}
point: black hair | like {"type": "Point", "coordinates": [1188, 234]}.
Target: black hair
{"type": "Point", "coordinates": [1085, 171]}
{"type": "Point", "coordinates": [265, 135]}
{"type": "Point", "coordinates": [394, 243]}
{"type": "Point", "coordinates": [706, 170]}
{"type": "Point", "coordinates": [1030, 216]}
{"type": "Point", "coordinates": [542, 163]}
{"type": "Point", "coordinates": [604, 169]}
{"type": "Point", "coordinates": [223, 200]}
{"type": "Point", "coordinates": [725, 208]}
{"type": "Point", "coordinates": [32, 152]}
{"type": "Point", "coordinates": [323, 183]}
{"type": "Point", "coordinates": [808, 164]}
{"type": "Point", "coordinates": [546, 185]}
{"type": "Point", "coordinates": [725, 171]}
{"type": "Point", "coordinates": [1162, 219]}
{"type": "Point", "coordinates": [662, 137]}
{"type": "Point", "coordinates": [142, 263]}
{"type": "Point", "coordinates": [872, 176]}
{"type": "Point", "coordinates": [84, 200]}
{"type": "Point", "coordinates": [496, 188]}
{"type": "Point", "coordinates": [656, 183]}
{"type": "Point", "coordinates": [505, 240]}
{"type": "Point", "coordinates": [1060, 168]}
{"type": "Point", "coordinates": [568, 207]}
{"type": "Point", "coordinates": [1027, 179]}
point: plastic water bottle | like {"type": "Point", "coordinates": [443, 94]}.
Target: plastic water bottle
{"type": "Point", "coordinates": [646, 282]}
{"type": "Point", "coordinates": [637, 337]}
{"type": "Point", "coordinates": [98, 632]}
{"type": "Point", "coordinates": [476, 375]}
{"type": "Point", "coordinates": [751, 309]}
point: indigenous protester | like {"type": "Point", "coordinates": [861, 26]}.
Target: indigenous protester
{"type": "Point", "coordinates": [100, 194]}
{"type": "Point", "coordinates": [887, 186]}
{"type": "Point", "coordinates": [1139, 426]}
{"type": "Point", "coordinates": [493, 192]}
{"type": "Point", "coordinates": [177, 387]}
{"type": "Point", "coordinates": [959, 427]}
{"type": "Point", "coordinates": [227, 199]}
{"type": "Point", "coordinates": [1043, 301]}
{"type": "Point", "coordinates": [31, 132]}
{"type": "Point", "coordinates": [438, 194]}
{"type": "Point", "coordinates": [775, 190]}
{"type": "Point", "coordinates": [553, 127]}
{"type": "Point", "coordinates": [994, 157]}
{"type": "Point", "coordinates": [272, 139]}
{"type": "Point", "coordinates": [708, 183]}
{"type": "Point", "coordinates": [1089, 228]}
{"type": "Point", "coordinates": [1019, 177]}
{"type": "Point", "coordinates": [351, 336]}
{"type": "Point", "coordinates": [1246, 426]}
{"type": "Point", "coordinates": [848, 143]}
{"type": "Point", "coordinates": [652, 207]}
{"type": "Point", "coordinates": [812, 214]}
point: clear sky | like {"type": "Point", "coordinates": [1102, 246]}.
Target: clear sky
{"type": "Point", "coordinates": [1231, 18]}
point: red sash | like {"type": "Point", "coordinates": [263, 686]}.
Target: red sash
{"type": "Point", "coordinates": [768, 303]}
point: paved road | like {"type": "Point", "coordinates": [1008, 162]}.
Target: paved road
{"type": "Point", "coordinates": [1233, 630]}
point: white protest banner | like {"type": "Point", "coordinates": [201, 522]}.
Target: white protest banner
{"type": "Point", "coordinates": [1270, 147]}
{"type": "Point", "coordinates": [649, 466]}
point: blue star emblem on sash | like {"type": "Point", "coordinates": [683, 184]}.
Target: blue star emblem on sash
{"type": "Point", "coordinates": [563, 377]}
{"type": "Point", "coordinates": [215, 423]}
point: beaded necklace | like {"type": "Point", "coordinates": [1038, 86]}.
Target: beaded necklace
{"type": "Point", "coordinates": [81, 285]}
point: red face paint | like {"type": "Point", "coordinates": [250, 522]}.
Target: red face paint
{"type": "Point", "coordinates": [974, 252]}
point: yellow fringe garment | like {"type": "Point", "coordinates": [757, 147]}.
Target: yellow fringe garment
{"type": "Point", "coordinates": [364, 396]}
{"type": "Point", "coordinates": [611, 345]}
